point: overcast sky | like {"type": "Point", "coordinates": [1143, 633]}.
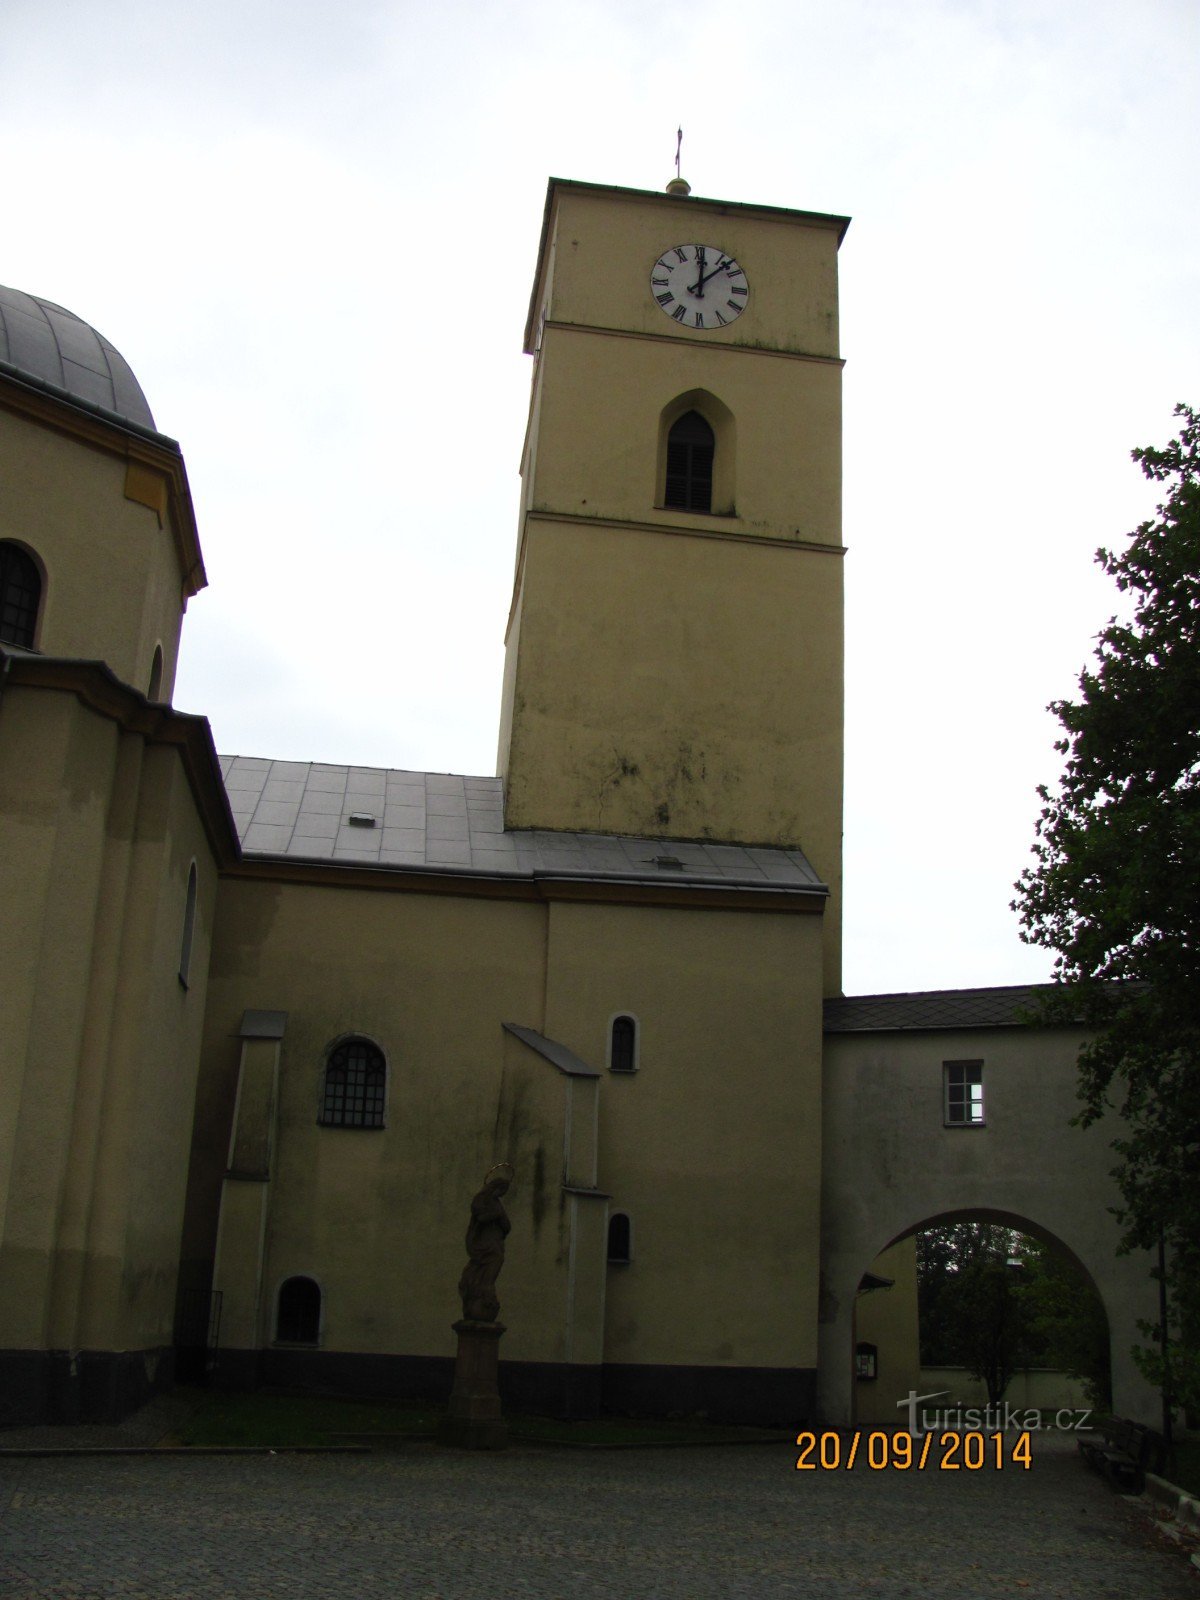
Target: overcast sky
{"type": "Point", "coordinates": [311, 229]}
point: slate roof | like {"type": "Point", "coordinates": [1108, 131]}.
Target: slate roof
{"type": "Point", "coordinates": [930, 1009]}
{"type": "Point", "coordinates": [440, 821]}
{"type": "Point", "coordinates": [57, 350]}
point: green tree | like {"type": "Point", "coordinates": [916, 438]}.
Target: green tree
{"type": "Point", "coordinates": [993, 1300]}
{"type": "Point", "coordinates": [1115, 892]}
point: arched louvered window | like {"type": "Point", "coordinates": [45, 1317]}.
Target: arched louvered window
{"type": "Point", "coordinates": [20, 595]}
{"type": "Point", "coordinates": [622, 1045]}
{"type": "Point", "coordinates": [299, 1319]}
{"type": "Point", "coordinates": [189, 927]}
{"type": "Point", "coordinates": [619, 1238]}
{"type": "Point", "coordinates": [355, 1085]}
{"type": "Point", "coordinates": [690, 445]}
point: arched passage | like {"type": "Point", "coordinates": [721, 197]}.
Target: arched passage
{"type": "Point", "coordinates": [977, 1307]}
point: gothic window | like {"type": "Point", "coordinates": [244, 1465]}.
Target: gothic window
{"type": "Point", "coordinates": [622, 1045]}
{"type": "Point", "coordinates": [690, 445]}
{"type": "Point", "coordinates": [189, 927]}
{"type": "Point", "coordinates": [964, 1093]}
{"type": "Point", "coordinates": [355, 1083]}
{"type": "Point", "coordinates": [20, 596]}
{"type": "Point", "coordinates": [299, 1319]}
{"type": "Point", "coordinates": [619, 1239]}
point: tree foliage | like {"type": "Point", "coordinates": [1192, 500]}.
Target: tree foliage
{"type": "Point", "coordinates": [993, 1300]}
{"type": "Point", "coordinates": [1115, 886]}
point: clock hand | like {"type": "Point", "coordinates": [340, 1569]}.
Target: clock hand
{"type": "Point", "coordinates": [706, 277]}
{"type": "Point", "coordinates": [697, 288]}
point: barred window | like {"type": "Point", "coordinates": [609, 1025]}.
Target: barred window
{"type": "Point", "coordinates": [964, 1093]}
{"type": "Point", "coordinates": [690, 446]}
{"type": "Point", "coordinates": [355, 1084]}
{"type": "Point", "coordinates": [20, 595]}
{"type": "Point", "coordinates": [299, 1319]}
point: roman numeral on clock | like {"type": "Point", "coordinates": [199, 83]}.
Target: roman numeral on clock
{"type": "Point", "coordinates": [679, 313]}
{"type": "Point", "coordinates": [665, 300]}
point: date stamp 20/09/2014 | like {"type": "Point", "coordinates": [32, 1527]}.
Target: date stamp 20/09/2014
{"type": "Point", "coordinates": [883, 1451]}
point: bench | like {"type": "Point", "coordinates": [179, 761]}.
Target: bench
{"type": "Point", "coordinates": [1124, 1452]}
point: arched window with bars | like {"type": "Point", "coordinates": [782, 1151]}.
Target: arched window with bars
{"type": "Point", "coordinates": [691, 445]}
{"type": "Point", "coordinates": [20, 595]}
{"type": "Point", "coordinates": [355, 1086]}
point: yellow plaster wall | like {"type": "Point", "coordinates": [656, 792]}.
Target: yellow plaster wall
{"type": "Point", "coordinates": [603, 245]}
{"type": "Point", "coordinates": [712, 1147]}
{"type": "Point", "coordinates": [597, 433]}
{"type": "Point", "coordinates": [101, 1044]}
{"type": "Point", "coordinates": [112, 580]}
{"type": "Point", "coordinates": [681, 688]}
{"type": "Point", "coordinates": [378, 1217]}
{"type": "Point", "coordinates": [888, 1318]}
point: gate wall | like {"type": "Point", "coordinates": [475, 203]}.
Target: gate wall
{"type": "Point", "coordinates": [891, 1165]}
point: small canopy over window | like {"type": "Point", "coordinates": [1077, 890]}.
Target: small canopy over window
{"type": "Point", "coordinates": [355, 1084]}
{"type": "Point", "coordinates": [20, 595]}
{"type": "Point", "coordinates": [690, 446]}
{"type": "Point", "coordinates": [299, 1320]}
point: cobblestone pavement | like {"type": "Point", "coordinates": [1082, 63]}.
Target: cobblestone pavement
{"type": "Point", "coordinates": [422, 1523]}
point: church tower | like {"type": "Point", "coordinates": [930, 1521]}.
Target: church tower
{"type": "Point", "coordinates": [674, 648]}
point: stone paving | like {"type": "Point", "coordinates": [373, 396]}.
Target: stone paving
{"type": "Point", "coordinates": [422, 1523]}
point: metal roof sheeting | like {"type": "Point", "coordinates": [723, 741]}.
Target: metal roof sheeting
{"type": "Point", "coordinates": [301, 810]}
{"type": "Point", "coordinates": [53, 347]}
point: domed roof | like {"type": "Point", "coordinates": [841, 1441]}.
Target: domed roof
{"type": "Point", "coordinates": [45, 343]}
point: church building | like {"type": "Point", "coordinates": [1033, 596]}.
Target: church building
{"type": "Point", "coordinates": [267, 1023]}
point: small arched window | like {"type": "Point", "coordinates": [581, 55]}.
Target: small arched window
{"type": "Point", "coordinates": [619, 1239]}
{"type": "Point", "coordinates": [690, 446]}
{"type": "Point", "coordinates": [189, 927]}
{"type": "Point", "coordinates": [355, 1086]}
{"type": "Point", "coordinates": [154, 692]}
{"type": "Point", "coordinates": [622, 1045]}
{"type": "Point", "coordinates": [299, 1319]}
{"type": "Point", "coordinates": [20, 596]}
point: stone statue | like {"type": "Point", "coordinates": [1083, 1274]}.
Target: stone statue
{"type": "Point", "coordinates": [486, 1233]}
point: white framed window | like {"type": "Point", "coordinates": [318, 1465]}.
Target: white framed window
{"type": "Point", "coordinates": [963, 1093]}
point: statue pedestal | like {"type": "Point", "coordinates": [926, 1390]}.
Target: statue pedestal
{"type": "Point", "coordinates": [473, 1420]}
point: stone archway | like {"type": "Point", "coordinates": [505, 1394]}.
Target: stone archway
{"type": "Point", "coordinates": [885, 1328]}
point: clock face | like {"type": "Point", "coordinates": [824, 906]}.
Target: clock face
{"type": "Point", "coordinates": [699, 286]}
